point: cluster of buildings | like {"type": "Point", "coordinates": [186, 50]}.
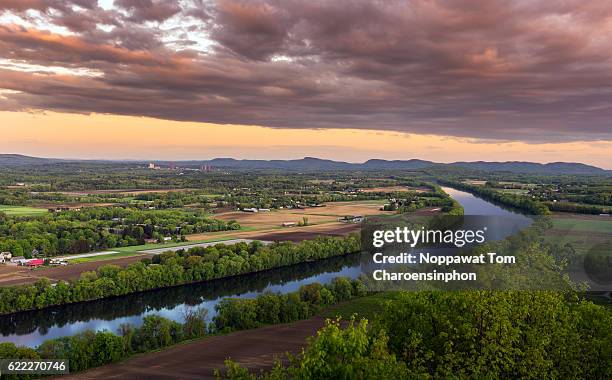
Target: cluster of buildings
{"type": "Point", "coordinates": [255, 209]}
{"type": "Point", "coordinates": [8, 259]}
{"type": "Point", "coordinates": [352, 219]}
{"type": "Point", "coordinates": [64, 208]}
{"type": "Point", "coordinates": [172, 166]}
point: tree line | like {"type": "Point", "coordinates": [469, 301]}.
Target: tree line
{"type": "Point", "coordinates": [173, 268]}
{"type": "Point", "coordinates": [99, 228]}
{"type": "Point", "coordinates": [242, 313]}
{"type": "Point", "coordinates": [578, 208]}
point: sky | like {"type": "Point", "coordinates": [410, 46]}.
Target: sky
{"type": "Point", "coordinates": [347, 80]}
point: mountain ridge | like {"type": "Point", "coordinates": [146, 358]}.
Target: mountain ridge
{"type": "Point", "coordinates": [313, 163]}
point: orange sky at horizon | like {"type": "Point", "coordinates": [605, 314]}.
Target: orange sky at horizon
{"type": "Point", "coordinates": [102, 136]}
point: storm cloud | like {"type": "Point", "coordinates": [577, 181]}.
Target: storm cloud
{"type": "Point", "coordinates": [531, 71]}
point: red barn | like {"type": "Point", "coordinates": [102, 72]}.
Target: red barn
{"type": "Point", "coordinates": [35, 263]}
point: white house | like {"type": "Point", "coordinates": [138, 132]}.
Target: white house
{"type": "Point", "coordinates": [5, 256]}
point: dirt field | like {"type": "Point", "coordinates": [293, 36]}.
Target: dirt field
{"type": "Point", "coordinates": [394, 189]}
{"type": "Point", "coordinates": [254, 349]}
{"type": "Point", "coordinates": [120, 191]}
{"type": "Point", "coordinates": [323, 221]}
{"type": "Point", "coordinates": [474, 182]}
{"type": "Point", "coordinates": [73, 205]}
{"type": "Point", "coordinates": [306, 233]}
{"type": "Point", "coordinates": [14, 275]}
{"type": "Point", "coordinates": [330, 213]}
{"type": "Point", "coordinates": [263, 220]}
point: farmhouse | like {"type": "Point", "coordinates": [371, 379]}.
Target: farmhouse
{"type": "Point", "coordinates": [4, 256]}
{"type": "Point", "coordinates": [351, 219]}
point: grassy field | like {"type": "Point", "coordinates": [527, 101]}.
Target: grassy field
{"type": "Point", "coordinates": [21, 210]}
{"type": "Point", "coordinates": [580, 231]}
{"type": "Point", "coordinates": [584, 225]}
{"type": "Point", "coordinates": [138, 248]}
{"type": "Point", "coordinates": [110, 256]}
{"type": "Point", "coordinates": [513, 191]}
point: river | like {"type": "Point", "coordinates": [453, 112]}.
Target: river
{"type": "Point", "coordinates": [33, 327]}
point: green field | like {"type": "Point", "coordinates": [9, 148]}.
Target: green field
{"type": "Point", "coordinates": [583, 225]}
{"type": "Point", "coordinates": [581, 233]}
{"type": "Point", "coordinates": [110, 256]}
{"type": "Point", "coordinates": [364, 307]}
{"type": "Point", "coordinates": [21, 210]}
{"type": "Point", "coordinates": [138, 248]}
{"type": "Point", "coordinates": [513, 191]}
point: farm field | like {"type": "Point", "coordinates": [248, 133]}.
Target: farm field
{"type": "Point", "coordinates": [316, 215]}
{"type": "Point", "coordinates": [22, 211]}
{"type": "Point", "coordinates": [582, 232]}
{"type": "Point", "coordinates": [393, 189]}
{"type": "Point", "coordinates": [121, 191]}
{"type": "Point", "coordinates": [18, 275]}
{"type": "Point", "coordinates": [297, 234]}
{"type": "Point", "coordinates": [256, 349]}
{"type": "Point", "coordinates": [584, 223]}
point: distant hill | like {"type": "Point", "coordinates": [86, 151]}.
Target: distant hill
{"type": "Point", "coordinates": [310, 163]}
{"type": "Point", "coordinates": [19, 160]}
{"type": "Point", "coordinates": [532, 167]}
{"type": "Point", "coordinates": [318, 164]}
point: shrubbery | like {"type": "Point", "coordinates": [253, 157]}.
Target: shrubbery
{"type": "Point", "coordinates": [173, 268]}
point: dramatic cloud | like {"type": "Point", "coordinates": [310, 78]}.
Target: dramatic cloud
{"type": "Point", "coordinates": [522, 70]}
